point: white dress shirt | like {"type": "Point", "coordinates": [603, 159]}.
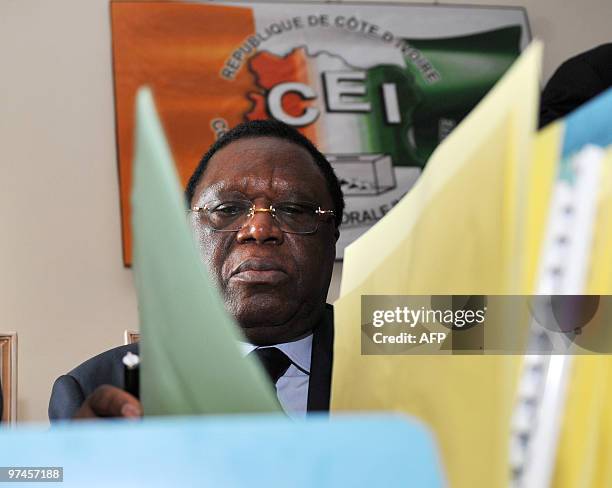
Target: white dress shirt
{"type": "Point", "coordinates": [292, 387]}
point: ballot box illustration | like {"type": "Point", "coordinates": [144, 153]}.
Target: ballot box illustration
{"type": "Point", "coordinates": [363, 174]}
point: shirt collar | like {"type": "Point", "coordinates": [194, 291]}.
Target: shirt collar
{"type": "Point", "coordinates": [299, 352]}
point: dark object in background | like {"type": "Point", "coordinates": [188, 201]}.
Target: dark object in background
{"type": "Point", "coordinates": [575, 82]}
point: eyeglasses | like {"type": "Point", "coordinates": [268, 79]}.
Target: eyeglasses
{"type": "Point", "coordinates": [291, 217]}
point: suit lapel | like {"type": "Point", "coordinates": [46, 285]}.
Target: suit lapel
{"type": "Point", "coordinates": [319, 385]}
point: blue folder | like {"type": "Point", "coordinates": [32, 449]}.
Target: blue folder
{"type": "Point", "coordinates": [246, 451]}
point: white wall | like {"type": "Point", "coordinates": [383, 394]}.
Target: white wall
{"type": "Point", "coordinates": [63, 287]}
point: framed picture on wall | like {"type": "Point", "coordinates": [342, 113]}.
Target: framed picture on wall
{"type": "Point", "coordinates": [130, 336]}
{"type": "Point", "coordinates": [8, 375]}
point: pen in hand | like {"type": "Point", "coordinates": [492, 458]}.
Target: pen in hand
{"type": "Point", "coordinates": [131, 363]}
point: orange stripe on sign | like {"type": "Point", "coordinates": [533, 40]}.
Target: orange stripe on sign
{"type": "Point", "coordinates": [179, 50]}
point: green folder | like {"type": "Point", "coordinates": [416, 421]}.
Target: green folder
{"type": "Point", "coordinates": [190, 357]}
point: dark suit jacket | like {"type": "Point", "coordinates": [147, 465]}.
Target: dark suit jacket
{"type": "Point", "coordinates": [70, 390]}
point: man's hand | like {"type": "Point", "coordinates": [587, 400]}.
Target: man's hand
{"type": "Point", "coordinates": [109, 401]}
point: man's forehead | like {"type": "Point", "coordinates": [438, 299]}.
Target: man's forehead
{"type": "Point", "coordinates": [262, 154]}
{"type": "Point", "coordinates": [257, 164]}
{"type": "Point", "coordinates": [255, 184]}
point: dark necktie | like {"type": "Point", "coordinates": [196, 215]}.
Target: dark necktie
{"type": "Point", "coordinates": [274, 361]}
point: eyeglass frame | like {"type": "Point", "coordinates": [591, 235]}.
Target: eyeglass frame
{"type": "Point", "coordinates": [319, 212]}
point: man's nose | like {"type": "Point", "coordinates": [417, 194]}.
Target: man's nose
{"type": "Point", "coordinates": [261, 228]}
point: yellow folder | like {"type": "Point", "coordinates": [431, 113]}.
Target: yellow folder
{"type": "Point", "coordinates": [457, 232]}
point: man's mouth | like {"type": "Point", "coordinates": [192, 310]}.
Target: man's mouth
{"type": "Point", "coordinates": [259, 271]}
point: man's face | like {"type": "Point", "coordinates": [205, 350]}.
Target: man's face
{"type": "Point", "coordinates": [273, 283]}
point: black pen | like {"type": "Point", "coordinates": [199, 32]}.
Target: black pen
{"type": "Point", "coordinates": [131, 363]}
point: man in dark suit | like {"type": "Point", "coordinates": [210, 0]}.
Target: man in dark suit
{"type": "Point", "coordinates": [265, 207]}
